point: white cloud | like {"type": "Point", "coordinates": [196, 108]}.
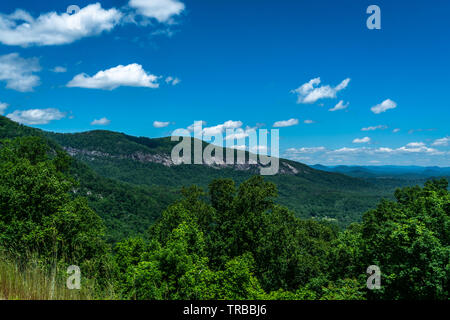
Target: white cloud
{"type": "Point", "coordinates": [417, 149]}
{"type": "Point", "coordinates": [396, 130]}
{"type": "Point", "coordinates": [285, 123]}
{"type": "Point", "coordinates": [258, 149]}
{"type": "Point", "coordinates": [101, 122]}
{"type": "Point", "coordinates": [373, 128]}
{"type": "Point", "coordinates": [160, 124]}
{"type": "Point", "coordinates": [3, 107]}
{"type": "Point", "coordinates": [414, 153]}
{"type": "Point", "coordinates": [308, 121]}
{"type": "Point", "coordinates": [19, 72]}
{"type": "Point", "coordinates": [240, 133]}
{"type": "Point", "coordinates": [132, 75]}
{"type": "Point", "coordinates": [220, 129]}
{"type": "Point", "coordinates": [421, 130]}
{"type": "Point", "coordinates": [384, 106]}
{"type": "Point", "coordinates": [413, 147]}
{"type": "Point", "coordinates": [442, 141]}
{"type": "Point", "coordinates": [340, 106]}
{"type": "Point", "coordinates": [415, 144]}
{"type": "Point", "coordinates": [362, 140]}
{"type": "Point", "coordinates": [36, 116]}
{"type": "Point", "coordinates": [59, 69]}
{"type": "Point", "coordinates": [310, 92]}
{"type": "Point", "coordinates": [173, 81]}
{"type": "Point", "coordinates": [21, 29]}
{"type": "Point", "coordinates": [161, 10]}
{"type": "Point", "coordinates": [191, 127]}
{"type": "Point", "coordinates": [347, 150]}
{"type": "Point", "coordinates": [305, 150]}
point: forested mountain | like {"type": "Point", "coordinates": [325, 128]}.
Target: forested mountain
{"type": "Point", "coordinates": [130, 180]}
{"type": "Point", "coordinates": [104, 201]}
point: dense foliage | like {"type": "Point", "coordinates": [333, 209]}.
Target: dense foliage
{"type": "Point", "coordinates": [39, 215]}
{"type": "Point", "coordinates": [233, 242]}
{"type": "Point", "coordinates": [236, 243]}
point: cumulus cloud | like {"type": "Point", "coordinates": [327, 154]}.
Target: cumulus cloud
{"type": "Point", "coordinates": [237, 131]}
{"type": "Point", "coordinates": [132, 75]}
{"type": "Point", "coordinates": [285, 123]}
{"type": "Point", "coordinates": [3, 107]}
{"type": "Point", "coordinates": [101, 122]}
{"type": "Point", "coordinates": [160, 124]}
{"type": "Point", "coordinates": [373, 128]}
{"type": "Point", "coordinates": [161, 10]}
{"type": "Point", "coordinates": [442, 141]}
{"type": "Point", "coordinates": [311, 91]}
{"type": "Point", "coordinates": [221, 128]}
{"type": "Point", "coordinates": [36, 116]}
{"type": "Point", "coordinates": [396, 130]}
{"type": "Point", "coordinates": [384, 106]}
{"type": "Point", "coordinates": [308, 122]}
{"type": "Point", "coordinates": [340, 106]}
{"type": "Point", "coordinates": [362, 140]}
{"type": "Point", "coordinates": [19, 72]}
{"type": "Point", "coordinates": [21, 29]}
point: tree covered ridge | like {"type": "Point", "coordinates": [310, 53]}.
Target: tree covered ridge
{"type": "Point", "coordinates": [130, 195]}
{"type": "Point", "coordinates": [231, 242]}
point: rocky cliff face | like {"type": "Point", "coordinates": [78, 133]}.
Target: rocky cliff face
{"type": "Point", "coordinates": [164, 159]}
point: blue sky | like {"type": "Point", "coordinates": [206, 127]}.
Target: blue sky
{"type": "Point", "coordinates": [125, 64]}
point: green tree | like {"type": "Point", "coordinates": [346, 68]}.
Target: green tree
{"type": "Point", "coordinates": [38, 213]}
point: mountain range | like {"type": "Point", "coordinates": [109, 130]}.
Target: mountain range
{"type": "Point", "coordinates": [130, 180]}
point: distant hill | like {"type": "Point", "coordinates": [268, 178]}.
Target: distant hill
{"type": "Point", "coordinates": [130, 180]}
{"type": "Point", "coordinates": [399, 172]}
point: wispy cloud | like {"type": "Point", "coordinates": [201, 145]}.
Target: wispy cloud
{"type": "Point", "coordinates": [160, 124]}
{"type": "Point", "coordinates": [285, 123]}
{"type": "Point", "coordinates": [442, 141]}
{"type": "Point", "coordinates": [59, 69]}
{"type": "Point", "coordinates": [373, 128]}
{"type": "Point", "coordinates": [101, 122]}
{"type": "Point", "coordinates": [384, 106]}
{"type": "Point", "coordinates": [311, 91]}
{"type": "Point", "coordinates": [19, 72]}
{"type": "Point", "coordinates": [340, 106]}
{"type": "Point", "coordinates": [173, 81]}
{"type": "Point", "coordinates": [362, 140]}
{"type": "Point", "coordinates": [305, 150]}
{"type": "Point", "coordinates": [132, 75]}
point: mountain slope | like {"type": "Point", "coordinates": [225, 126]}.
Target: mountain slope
{"type": "Point", "coordinates": [144, 161]}
{"type": "Point", "coordinates": [130, 180]}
